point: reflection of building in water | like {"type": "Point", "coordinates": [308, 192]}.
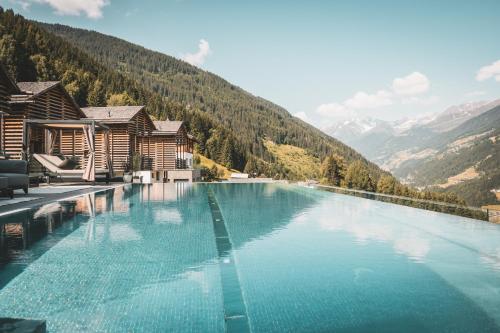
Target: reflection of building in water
{"type": "Point", "coordinates": [164, 191]}
{"type": "Point", "coordinates": [112, 200]}
{"type": "Point", "coordinates": [20, 230]}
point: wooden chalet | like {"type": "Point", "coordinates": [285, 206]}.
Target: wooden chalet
{"type": "Point", "coordinates": [169, 146]}
{"type": "Point", "coordinates": [162, 145]}
{"type": "Point", "coordinates": [129, 125]}
{"type": "Point", "coordinates": [44, 101]}
{"type": "Point", "coordinates": [42, 118]}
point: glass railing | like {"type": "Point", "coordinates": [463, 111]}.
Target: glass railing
{"type": "Point", "coordinates": [436, 206]}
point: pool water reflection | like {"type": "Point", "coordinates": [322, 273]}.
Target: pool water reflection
{"type": "Point", "coordinates": [144, 259]}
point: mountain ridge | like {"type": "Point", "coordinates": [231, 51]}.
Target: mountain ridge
{"type": "Point", "coordinates": [229, 123]}
{"type": "Point", "coordinates": [444, 151]}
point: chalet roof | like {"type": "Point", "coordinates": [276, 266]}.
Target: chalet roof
{"type": "Point", "coordinates": [112, 114]}
{"type": "Point", "coordinates": [167, 126]}
{"type": "Point", "coordinates": [11, 85]}
{"type": "Point", "coordinates": [36, 88]}
{"type": "Point", "coordinates": [29, 90]}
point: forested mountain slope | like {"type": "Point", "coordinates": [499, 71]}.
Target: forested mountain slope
{"type": "Point", "coordinates": [230, 124]}
{"type": "Point", "coordinates": [253, 118]}
{"type": "Point", "coordinates": [465, 160]}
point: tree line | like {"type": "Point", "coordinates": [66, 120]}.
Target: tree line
{"type": "Point", "coordinates": [335, 171]}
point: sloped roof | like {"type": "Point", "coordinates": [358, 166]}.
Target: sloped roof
{"type": "Point", "coordinates": [36, 88]}
{"type": "Point", "coordinates": [29, 90]}
{"type": "Point", "coordinates": [11, 85]}
{"type": "Point", "coordinates": [167, 126]}
{"type": "Point", "coordinates": [113, 114]}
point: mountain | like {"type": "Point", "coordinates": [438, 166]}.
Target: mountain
{"type": "Point", "coordinates": [464, 160]}
{"type": "Point", "coordinates": [458, 114]}
{"type": "Point", "coordinates": [353, 129]}
{"type": "Point", "coordinates": [230, 124]}
{"type": "Point", "coordinates": [455, 150]}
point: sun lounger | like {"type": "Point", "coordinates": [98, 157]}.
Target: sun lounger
{"type": "Point", "coordinates": [51, 165]}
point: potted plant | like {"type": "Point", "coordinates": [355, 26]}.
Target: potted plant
{"type": "Point", "coordinates": [127, 174]}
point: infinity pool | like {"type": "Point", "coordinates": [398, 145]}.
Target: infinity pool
{"type": "Point", "coordinates": [247, 257]}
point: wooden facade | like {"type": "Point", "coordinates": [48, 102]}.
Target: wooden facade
{"type": "Point", "coordinates": [165, 149]}
{"type": "Point", "coordinates": [7, 88]}
{"type": "Point", "coordinates": [129, 126]}
{"type": "Point", "coordinates": [131, 130]}
{"type": "Point", "coordinates": [46, 100]}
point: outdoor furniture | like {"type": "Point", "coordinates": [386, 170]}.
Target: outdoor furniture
{"type": "Point", "coordinates": [57, 140]}
{"type": "Point", "coordinates": [16, 172]}
{"type": "Point", "coordinates": [51, 164]}
{"type": "Point", "coordinates": [4, 186]}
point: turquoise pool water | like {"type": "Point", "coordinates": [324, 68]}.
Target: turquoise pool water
{"type": "Point", "coordinates": [247, 257]}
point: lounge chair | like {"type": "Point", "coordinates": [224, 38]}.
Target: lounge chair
{"type": "Point", "coordinates": [51, 165]}
{"type": "Point", "coordinates": [16, 173]}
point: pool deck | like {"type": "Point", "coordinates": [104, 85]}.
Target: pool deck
{"type": "Point", "coordinates": [47, 194]}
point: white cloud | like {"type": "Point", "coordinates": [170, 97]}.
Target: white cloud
{"type": "Point", "coordinates": [362, 100]}
{"type": "Point", "coordinates": [413, 84]}
{"type": "Point", "coordinates": [91, 8]}
{"type": "Point", "coordinates": [488, 71]}
{"type": "Point", "coordinates": [403, 91]}
{"type": "Point", "coordinates": [359, 101]}
{"type": "Point", "coordinates": [198, 58]}
{"type": "Point", "coordinates": [302, 115]}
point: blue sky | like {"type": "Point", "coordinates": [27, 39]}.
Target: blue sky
{"type": "Point", "coordinates": [322, 60]}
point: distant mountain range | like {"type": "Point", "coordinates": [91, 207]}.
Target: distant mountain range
{"type": "Point", "coordinates": [454, 150]}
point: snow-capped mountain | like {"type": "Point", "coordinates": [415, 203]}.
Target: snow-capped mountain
{"type": "Point", "coordinates": [381, 140]}
{"type": "Point", "coordinates": [351, 130]}
{"type": "Point", "coordinates": [456, 115]}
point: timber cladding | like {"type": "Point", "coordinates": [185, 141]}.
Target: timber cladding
{"type": "Point", "coordinates": [7, 87]}
{"type": "Point", "coordinates": [126, 136]}
{"type": "Point", "coordinates": [120, 146]}
{"type": "Point", "coordinates": [131, 130]}
{"type": "Point", "coordinates": [159, 151]}
{"type": "Point", "coordinates": [53, 103]}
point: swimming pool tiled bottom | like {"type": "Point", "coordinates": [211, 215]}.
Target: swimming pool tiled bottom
{"type": "Point", "coordinates": [248, 257]}
{"type": "Point", "coordinates": [235, 312]}
{"type": "Point", "coordinates": [150, 267]}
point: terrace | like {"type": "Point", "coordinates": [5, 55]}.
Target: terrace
{"type": "Point", "coordinates": [43, 125]}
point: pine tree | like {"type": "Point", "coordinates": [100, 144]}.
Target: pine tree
{"type": "Point", "coordinates": [97, 95]}
{"type": "Point", "coordinates": [43, 67]}
{"type": "Point", "coordinates": [386, 184]}
{"type": "Point", "coordinates": [358, 177]}
{"type": "Point", "coordinates": [120, 100]}
{"type": "Point", "coordinates": [8, 53]}
{"type": "Point", "coordinates": [252, 168]}
{"type": "Point", "coordinates": [332, 170]}
{"type": "Point", "coordinates": [228, 153]}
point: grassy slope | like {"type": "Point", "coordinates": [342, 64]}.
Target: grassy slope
{"type": "Point", "coordinates": [297, 160]}
{"type": "Point", "coordinates": [208, 163]}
